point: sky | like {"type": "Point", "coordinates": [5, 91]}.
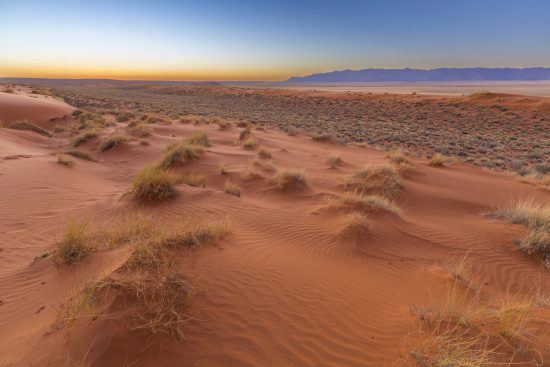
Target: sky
{"type": "Point", "coordinates": [265, 40]}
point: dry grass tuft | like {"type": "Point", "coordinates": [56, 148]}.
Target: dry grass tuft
{"type": "Point", "coordinates": [439, 160]}
{"type": "Point", "coordinates": [83, 138]}
{"type": "Point", "coordinates": [249, 143]}
{"type": "Point", "coordinates": [290, 178]}
{"type": "Point", "coordinates": [26, 125]}
{"type": "Point", "coordinates": [364, 203]}
{"type": "Point", "coordinates": [399, 157]}
{"type": "Point", "coordinates": [64, 160]}
{"type": "Point", "coordinates": [383, 180]}
{"type": "Point", "coordinates": [112, 142]}
{"type": "Point", "coordinates": [73, 245]}
{"type": "Point", "coordinates": [195, 179]}
{"type": "Point", "coordinates": [334, 161]}
{"type": "Point", "coordinates": [245, 134]}
{"type": "Point", "coordinates": [193, 233]}
{"type": "Point", "coordinates": [80, 155]}
{"type": "Point", "coordinates": [264, 153]}
{"type": "Point", "coordinates": [153, 183]}
{"type": "Point", "coordinates": [232, 188]}
{"type": "Point", "coordinates": [323, 137]}
{"type": "Point", "coordinates": [140, 130]}
{"type": "Point", "coordinates": [180, 153]}
{"type": "Point", "coordinates": [198, 138]}
{"type": "Point", "coordinates": [354, 224]}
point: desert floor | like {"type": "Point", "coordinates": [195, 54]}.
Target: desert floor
{"type": "Point", "coordinates": [304, 278]}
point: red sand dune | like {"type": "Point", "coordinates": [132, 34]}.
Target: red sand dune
{"type": "Point", "coordinates": [35, 108]}
{"type": "Point", "coordinates": [284, 289]}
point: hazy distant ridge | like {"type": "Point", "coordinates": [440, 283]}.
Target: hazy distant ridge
{"type": "Point", "coordinates": [421, 75]}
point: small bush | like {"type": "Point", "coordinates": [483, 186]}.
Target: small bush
{"type": "Point", "coordinates": [323, 137]}
{"type": "Point", "coordinates": [73, 246]}
{"type": "Point", "coordinates": [140, 130]}
{"type": "Point", "coordinates": [232, 188]}
{"type": "Point", "coordinates": [378, 180]}
{"type": "Point", "coordinates": [198, 138]}
{"type": "Point", "coordinates": [144, 142]}
{"type": "Point", "coordinates": [334, 161]}
{"type": "Point", "coordinates": [245, 134]}
{"type": "Point", "coordinates": [264, 153]}
{"type": "Point", "coordinates": [62, 159]}
{"type": "Point", "coordinates": [124, 116]}
{"type": "Point", "coordinates": [249, 143]}
{"type": "Point", "coordinates": [364, 203]}
{"type": "Point", "coordinates": [83, 138]}
{"type": "Point", "coordinates": [398, 157]}
{"type": "Point", "coordinates": [192, 233]}
{"type": "Point", "coordinates": [290, 178]}
{"type": "Point", "coordinates": [180, 153]}
{"type": "Point", "coordinates": [25, 125]}
{"type": "Point", "coordinates": [153, 183]}
{"type": "Point", "coordinates": [80, 155]}
{"type": "Point", "coordinates": [111, 142]}
{"type": "Point", "coordinates": [354, 224]}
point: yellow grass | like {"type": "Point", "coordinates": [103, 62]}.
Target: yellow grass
{"type": "Point", "coordinates": [180, 153]}
{"type": "Point", "coordinates": [290, 178]}
{"type": "Point", "coordinates": [198, 138]}
{"type": "Point", "coordinates": [73, 245]}
{"type": "Point", "coordinates": [232, 188]}
{"type": "Point", "coordinates": [153, 183]}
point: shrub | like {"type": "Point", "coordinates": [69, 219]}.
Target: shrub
{"type": "Point", "coordinates": [379, 180]}
{"type": "Point", "coordinates": [398, 157]}
{"type": "Point", "coordinates": [180, 153]}
{"type": "Point", "coordinates": [364, 203]}
{"type": "Point", "coordinates": [195, 179]}
{"type": "Point", "coordinates": [334, 161]}
{"type": "Point", "coordinates": [245, 134]}
{"type": "Point", "coordinates": [144, 142]}
{"type": "Point", "coordinates": [153, 183]}
{"type": "Point", "coordinates": [73, 246]}
{"type": "Point", "coordinates": [191, 233]}
{"type": "Point", "coordinates": [140, 130]}
{"type": "Point", "coordinates": [290, 178]}
{"type": "Point", "coordinates": [354, 224]}
{"type": "Point", "coordinates": [25, 125]}
{"type": "Point", "coordinates": [62, 159]}
{"type": "Point", "coordinates": [80, 155]}
{"type": "Point", "coordinates": [249, 143]}
{"type": "Point", "coordinates": [323, 137]}
{"type": "Point", "coordinates": [232, 188]}
{"type": "Point", "coordinates": [111, 142]}
{"type": "Point", "coordinates": [83, 138]}
{"type": "Point", "coordinates": [198, 138]}
{"type": "Point", "coordinates": [124, 116]}
{"type": "Point", "coordinates": [264, 153]}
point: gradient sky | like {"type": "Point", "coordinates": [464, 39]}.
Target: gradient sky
{"type": "Point", "coordinates": [265, 40]}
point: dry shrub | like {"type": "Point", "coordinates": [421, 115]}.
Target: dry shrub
{"type": "Point", "coordinates": [383, 180]}
{"type": "Point", "coordinates": [180, 153]}
{"type": "Point", "coordinates": [193, 233]}
{"type": "Point", "coordinates": [364, 203]}
{"type": "Point", "coordinates": [334, 161]}
{"type": "Point", "coordinates": [26, 125]}
{"type": "Point", "coordinates": [439, 160]}
{"type": "Point", "coordinates": [83, 138]}
{"type": "Point", "coordinates": [323, 137]}
{"type": "Point", "coordinates": [74, 245]}
{"type": "Point", "coordinates": [399, 157]}
{"type": "Point", "coordinates": [64, 160]}
{"type": "Point", "coordinates": [153, 183]}
{"type": "Point", "coordinates": [263, 153]}
{"type": "Point", "coordinates": [354, 224]}
{"type": "Point", "coordinates": [245, 134]}
{"type": "Point", "coordinates": [290, 178]}
{"type": "Point", "coordinates": [198, 138]}
{"type": "Point", "coordinates": [249, 143]}
{"type": "Point", "coordinates": [80, 155]}
{"type": "Point", "coordinates": [232, 188]}
{"type": "Point", "coordinates": [139, 129]}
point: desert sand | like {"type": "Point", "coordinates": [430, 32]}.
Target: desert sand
{"type": "Point", "coordinates": [293, 284]}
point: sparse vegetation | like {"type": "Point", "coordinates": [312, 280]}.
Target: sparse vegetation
{"type": "Point", "coordinates": [140, 130]}
{"type": "Point", "coordinates": [62, 159]}
{"type": "Point", "coordinates": [249, 143]}
{"type": "Point", "coordinates": [232, 188]}
{"type": "Point", "coordinates": [83, 138]}
{"type": "Point", "coordinates": [334, 161]}
{"type": "Point", "coordinates": [381, 180]}
{"type": "Point", "coordinates": [198, 138]}
{"type": "Point", "coordinates": [263, 153]}
{"type": "Point", "coordinates": [153, 183]}
{"type": "Point", "coordinates": [74, 244]}
{"type": "Point", "coordinates": [80, 155]}
{"type": "Point", "coordinates": [112, 142]}
{"type": "Point", "coordinates": [195, 179]}
{"type": "Point", "coordinates": [180, 153]}
{"type": "Point", "coordinates": [26, 125]}
{"type": "Point", "coordinates": [290, 178]}
{"type": "Point", "coordinates": [438, 160]}
{"type": "Point", "coordinates": [354, 224]}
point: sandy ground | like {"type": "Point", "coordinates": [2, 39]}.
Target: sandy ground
{"type": "Point", "coordinates": [284, 289]}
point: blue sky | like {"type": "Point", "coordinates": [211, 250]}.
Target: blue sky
{"type": "Point", "coordinates": [265, 40]}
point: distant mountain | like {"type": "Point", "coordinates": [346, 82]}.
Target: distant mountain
{"type": "Point", "coordinates": [421, 75]}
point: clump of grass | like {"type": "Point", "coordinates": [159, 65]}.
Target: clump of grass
{"type": "Point", "coordinates": [245, 134]}
{"type": "Point", "coordinates": [398, 157]}
{"type": "Point", "coordinates": [263, 153]}
{"type": "Point", "coordinates": [439, 160]}
{"type": "Point", "coordinates": [290, 178]}
{"type": "Point", "coordinates": [354, 224]}
{"type": "Point", "coordinates": [249, 143]}
{"type": "Point", "coordinates": [80, 155]}
{"type": "Point", "coordinates": [139, 129]}
{"type": "Point", "coordinates": [381, 180]}
{"type": "Point", "coordinates": [198, 138]}
{"type": "Point", "coordinates": [144, 142]}
{"type": "Point", "coordinates": [535, 216]}
{"type": "Point", "coordinates": [26, 125]}
{"type": "Point", "coordinates": [153, 183]}
{"type": "Point", "coordinates": [112, 142]}
{"type": "Point", "coordinates": [83, 138]}
{"type": "Point", "coordinates": [232, 188]}
{"type": "Point", "coordinates": [74, 244]}
{"type": "Point", "coordinates": [193, 233]}
{"type": "Point", "coordinates": [180, 153]}
{"type": "Point", "coordinates": [365, 203]}
{"type": "Point", "coordinates": [124, 116]}
{"type": "Point", "coordinates": [223, 170]}
{"type": "Point", "coordinates": [323, 137]}
{"type": "Point", "coordinates": [195, 179]}
{"type": "Point", "coordinates": [62, 159]}
{"type": "Point", "coordinates": [334, 161]}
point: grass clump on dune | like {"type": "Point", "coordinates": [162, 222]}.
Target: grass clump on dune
{"type": "Point", "coordinates": [62, 159]}
{"type": "Point", "coordinates": [26, 125]}
{"type": "Point", "coordinates": [263, 153]}
{"type": "Point", "coordinates": [198, 138]}
{"type": "Point", "coordinates": [290, 178]}
{"type": "Point", "coordinates": [354, 224]}
{"type": "Point", "coordinates": [439, 160]}
{"type": "Point", "coordinates": [153, 183]}
{"type": "Point", "coordinates": [365, 203]}
{"type": "Point", "coordinates": [232, 188]}
{"type": "Point", "coordinates": [334, 161]}
{"type": "Point", "coordinates": [83, 138]}
{"type": "Point", "coordinates": [245, 134]}
{"type": "Point", "coordinates": [73, 245]}
{"type": "Point", "coordinates": [80, 155]}
{"type": "Point", "coordinates": [194, 233]}
{"type": "Point", "coordinates": [535, 216]}
{"type": "Point", "coordinates": [140, 129]}
{"type": "Point", "coordinates": [112, 142]}
{"type": "Point", "coordinates": [381, 180]}
{"type": "Point", "coordinates": [398, 157]}
{"type": "Point", "coordinates": [195, 179]}
{"type": "Point", "coordinates": [180, 153]}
